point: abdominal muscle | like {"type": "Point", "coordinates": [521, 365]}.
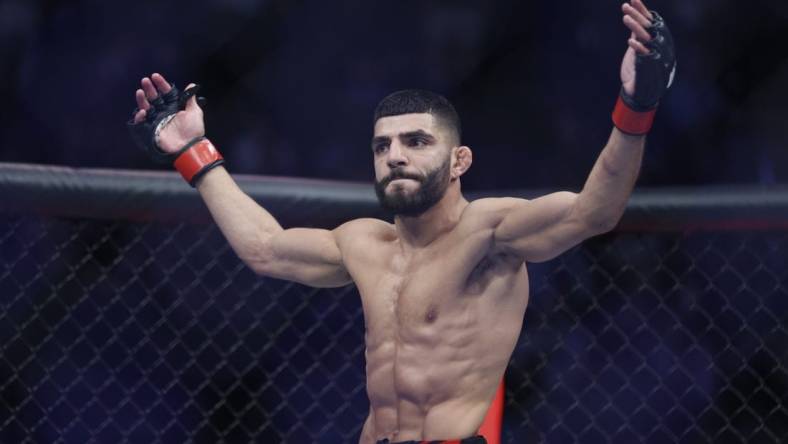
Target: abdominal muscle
{"type": "Point", "coordinates": [434, 379]}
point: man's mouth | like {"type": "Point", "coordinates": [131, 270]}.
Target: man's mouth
{"type": "Point", "coordinates": [398, 177]}
{"type": "Point", "coordinates": [401, 181]}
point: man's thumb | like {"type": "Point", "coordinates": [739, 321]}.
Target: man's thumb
{"type": "Point", "coordinates": [191, 104]}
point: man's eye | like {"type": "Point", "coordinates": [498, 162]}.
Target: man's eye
{"type": "Point", "coordinates": [379, 148]}
{"type": "Point", "coordinates": [416, 142]}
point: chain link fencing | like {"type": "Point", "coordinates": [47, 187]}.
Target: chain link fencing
{"type": "Point", "coordinates": [129, 331]}
{"type": "Point", "coordinates": [656, 337]}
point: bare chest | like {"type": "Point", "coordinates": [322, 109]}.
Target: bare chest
{"type": "Point", "coordinates": [410, 297]}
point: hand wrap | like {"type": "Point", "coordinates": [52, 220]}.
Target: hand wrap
{"type": "Point", "coordinates": [197, 158]}
{"type": "Point", "coordinates": [654, 74]}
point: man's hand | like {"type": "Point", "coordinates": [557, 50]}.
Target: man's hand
{"type": "Point", "coordinates": [637, 18]}
{"type": "Point", "coordinates": [168, 124]}
{"type": "Point", "coordinates": [184, 127]}
{"type": "Point", "coordinates": [649, 42]}
{"type": "Point", "coordinates": [647, 70]}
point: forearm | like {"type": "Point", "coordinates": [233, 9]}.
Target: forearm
{"type": "Point", "coordinates": [647, 71]}
{"type": "Point", "coordinates": [245, 224]}
{"type": "Point", "coordinates": [607, 189]}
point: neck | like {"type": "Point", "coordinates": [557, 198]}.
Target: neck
{"type": "Point", "coordinates": [420, 231]}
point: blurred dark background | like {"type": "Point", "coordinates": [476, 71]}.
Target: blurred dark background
{"type": "Point", "coordinates": [291, 85]}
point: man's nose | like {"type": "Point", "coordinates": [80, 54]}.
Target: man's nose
{"type": "Point", "coordinates": [396, 156]}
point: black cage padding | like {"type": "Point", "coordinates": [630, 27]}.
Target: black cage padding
{"type": "Point", "coordinates": [152, 195]}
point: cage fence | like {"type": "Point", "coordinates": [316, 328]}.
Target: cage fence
{"type": "Point", "coordinates": [122, 326]}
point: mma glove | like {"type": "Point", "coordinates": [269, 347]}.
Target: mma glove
{"type": "Point", "coordinates": [195, 158]}
{"type": "Point", "coordinates": [654, 74]}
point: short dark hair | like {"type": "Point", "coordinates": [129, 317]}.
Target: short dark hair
{"type": "Point", "coordinates": [409, 101]}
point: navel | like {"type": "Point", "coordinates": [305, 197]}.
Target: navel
{"type": "Point", "coordinates": [432, 314]}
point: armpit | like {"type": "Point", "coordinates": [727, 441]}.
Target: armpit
{"type": "Point", "coordinates": [491, 266]}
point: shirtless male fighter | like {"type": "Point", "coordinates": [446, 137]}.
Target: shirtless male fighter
{"type": "Point", "coordinates": [444, 288]}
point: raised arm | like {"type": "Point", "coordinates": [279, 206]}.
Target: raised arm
{"type": "Point", "coordinates": [305, 255]}
{"type": "Point", "coordinates": [174, 132]}
{"type": "Point", "coordinates": [543, 228]}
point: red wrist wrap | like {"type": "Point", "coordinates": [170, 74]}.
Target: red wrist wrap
{"type": "Point", "coordinates": [198, 158]}
{"type": "Point", "coordinates": [630, 121]}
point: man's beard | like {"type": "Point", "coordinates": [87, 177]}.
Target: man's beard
{"type": "Point", "coordinates": [431, 189]}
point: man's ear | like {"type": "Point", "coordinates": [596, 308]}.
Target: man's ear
{"type": "Point", "coordinates": [461, 160]}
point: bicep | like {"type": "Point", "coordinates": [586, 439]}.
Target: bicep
{"type": "Point", "coordinates": [305, 255]}
{"type": "Point", "coordinates": [541, 229]}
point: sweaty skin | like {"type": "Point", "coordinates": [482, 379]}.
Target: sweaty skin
{"type": "Point", "coordinates": [444, 292]}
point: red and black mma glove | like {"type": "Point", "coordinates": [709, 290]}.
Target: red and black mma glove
{"type": "Point", "coordinates": [653, 76]}
{"type": "Point", "coordinates": [195, 158]}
